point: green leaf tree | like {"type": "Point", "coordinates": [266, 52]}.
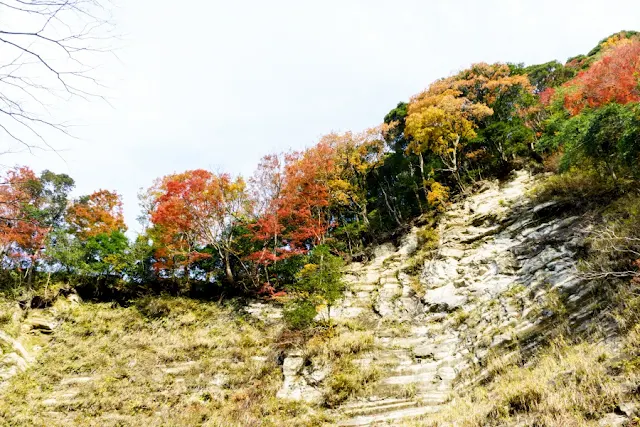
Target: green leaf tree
{"type": "Point", "coordinates": [320, 280]}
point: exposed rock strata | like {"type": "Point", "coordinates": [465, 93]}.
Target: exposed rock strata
{"type": "Point", "coordinates": [482, 290]}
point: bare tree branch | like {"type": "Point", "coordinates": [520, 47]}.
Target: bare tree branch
{"type": "Point", "coordinates": [615, 254]}
{"type": "Point", "coordinates": [52, 49]}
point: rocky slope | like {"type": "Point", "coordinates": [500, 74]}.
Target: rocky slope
{"type": "Point", "coordinates": [425, 322]}
{"type": "Point", "coordinates": [502, 266]}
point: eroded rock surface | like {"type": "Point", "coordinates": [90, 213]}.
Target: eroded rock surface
{"type": "Point", "coordinates": [485, 286]}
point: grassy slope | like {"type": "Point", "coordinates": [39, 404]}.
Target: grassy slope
{"type": "Point", "coordinates": [168, 362]}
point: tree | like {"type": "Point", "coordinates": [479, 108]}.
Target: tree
{"type": "Point", "coordinates": [296, 217]}
{"type": "Point", "coordinates": [321, 278]}
{"type": "Point", "coordinates": [393, 185]}
{"type": "Point", "coordinates": [21, 234]}
{"type": "Point", "coordinates": [31, 208]}
{"type": "Point", "coordinates": [441, 122]}
{"type": "Point", "coordinates": [54, 190]}
{"type": "Point", "coordinates": [356, 154]}
{"type": "Point", "coordinates": [97, 213]}
{"type": "Point", "coordinates": [105, 254]}
{"type": "Point", "coordinates": [96, 243]}
{"type": "Point", "coordinates": [547, 75]}
{"type": "Point", "coordinates": [196, 209]}
{"type": "Point", "coordinates": [609, 136]}
{"type": "Point", "coordinates": [50, 51]}
{"type": "Point", "coordinates": [498, 86]}
{"type": "Point", "coordinates": [615, 77]}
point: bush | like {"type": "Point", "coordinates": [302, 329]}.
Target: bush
{"type": "Point", "coordinates": [428, 238]}
{"type": "Point", "coordinates": [615, 245]}
{"type": "Point", "coordinates": [153, 308]}
{"type": "Point", "coordinates": [349, 380]}
{"type": "Point", "coordinates": [300, 313]}
{"type": "Point", "coordinates": [576, 184]}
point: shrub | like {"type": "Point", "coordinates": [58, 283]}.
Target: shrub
{"type": "Point", "coordinates": [428, 238]}
{"type": "Point", "coordinates": [349, 380]}
{"type": "Point", "coordinates": [153, 308]}
{"type": "Point", "coordinates": [615, 245]}
{"type": "Point", "coordinates": [576, 184]}
{"type": "Point", "coordinates": [300, 313]}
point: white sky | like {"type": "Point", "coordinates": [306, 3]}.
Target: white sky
{"type": "Point", "coordinates": [217, 85]}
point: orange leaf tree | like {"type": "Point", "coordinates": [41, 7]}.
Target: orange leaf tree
{"type": "Point", "coordinates": [97, 213]}
{"type": "Point", "coordinates": [22, 232]}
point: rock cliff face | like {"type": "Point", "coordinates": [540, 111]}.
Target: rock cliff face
{"type": "Point", "coordinates": [501, 263]}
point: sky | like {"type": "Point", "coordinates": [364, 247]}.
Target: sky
{"type": "Point", "coordinates": [219, 84]}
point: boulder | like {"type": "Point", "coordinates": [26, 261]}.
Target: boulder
{"type": "Point", "coordinates": [292, 365]}
{"type": "Point", "coordinates": [41, 324]}
{"type": "Point", "coordinates": [444, 298]}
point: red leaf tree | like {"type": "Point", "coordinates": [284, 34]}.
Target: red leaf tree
{"type": "Point", "coordinates": [292, 195]}
{"type": "Point", "coordinates": [615, 77]}
{"type": "Point", "coordinates": [193, 210]}
{"type": "Point", "coordinates": [22, 231]}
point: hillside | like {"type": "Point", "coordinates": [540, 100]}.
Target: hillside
{"type": "Point", "coordinates": [473, 260]}
{"type": "Point", "coordinates": [491, 323]}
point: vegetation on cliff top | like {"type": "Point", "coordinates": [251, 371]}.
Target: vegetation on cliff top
{"type": "Point", "coordinates": [211, 234]}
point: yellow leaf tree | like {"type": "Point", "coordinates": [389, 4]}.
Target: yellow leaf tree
{"type": "Point", "coordinates": [356, 154]}
{"type": "Point", "coordinates": [440, 120]}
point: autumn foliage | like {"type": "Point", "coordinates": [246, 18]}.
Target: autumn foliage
{"type": "Point", "coordinates": [294, 216]}
{"type": "Point", "coordinates": [22, 233]}
{"type": "Point", "coordinates": [192, 210]}
{"type": "Point", "coordinates": [97, 213]}
{"type": "Point", "coordinates": [299, 209]}
{"type": "Point", "coordinates": [615, 77]}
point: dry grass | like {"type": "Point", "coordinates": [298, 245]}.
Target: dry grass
{"type": "Point", "coordinates": [567, 384]}
{"type": "Point", "coordinates": [577, 184]}
{"type": "Point", "coordinates": [164, 362]}
{"type": "Point", "coordinates": [339, 348]}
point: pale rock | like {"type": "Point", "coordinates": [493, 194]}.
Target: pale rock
{"type": "Point", "coordinates": [452, 253]}
{"type": "Point", "coordinates": [76, 380]}
{"type": "Point", "coordinates": [490, 241]}
{"type": "Point", "coordinates": [630, 409]}
{"type": "Point", "coordinates": [444, 298]}
{"type": "Point", "coordinates": [439, 272]}
{"type": "Point", "coordinates": [74, 299]}
{"type": "Point", "coordinates": [13, 359]}
{"type": "Point", "coordinates": [315, 376]}
{"type": "Point", "coordinates": [425, 351]}
{"type": "Point", "coordinates": [40, 324]}
{"type": "Point", "coordinates": [17, 346]}
{"type": "Point", "coordinates": [219, 380]}
{"type": "Point", "coordinates": [292, 365]}
{"type": "Point", "coordinates": [612, 420]}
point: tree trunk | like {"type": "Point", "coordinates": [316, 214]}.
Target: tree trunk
{"type": "Point", "coordinates": [424, 180]}
{"type": "Point", "coordinates": [391, 210]}
{"type": "Point", "coordinates": [415, 188]}
{"type": "Point", "coordinates": [227, 269]}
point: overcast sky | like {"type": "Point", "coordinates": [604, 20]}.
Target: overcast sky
{"type": "Point", "coordinates": [217, 85]}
